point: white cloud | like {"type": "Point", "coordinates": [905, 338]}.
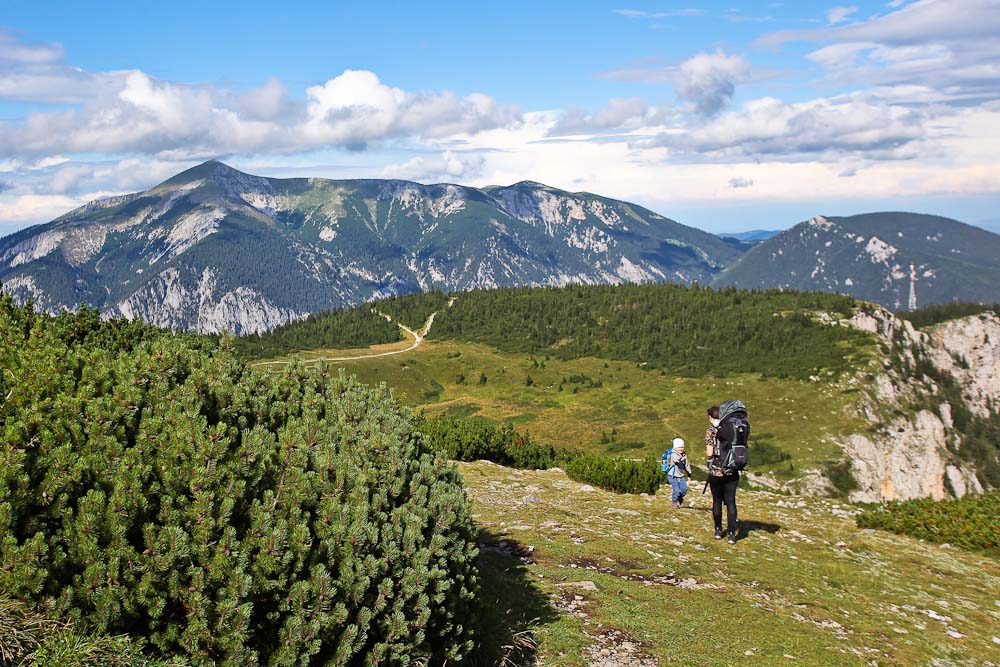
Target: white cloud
{"type": "Point", "coordinates": [738, 182]}
{"type": "Point", "coordinates": [837, 15]}
{"type": "Point", "coordinates": [618, 114]}
{"type": "Point", "coordinates": [131, 112]}
{"type": "Point", "coordinates": [769, 128]}
{"type": "Point", "coordinates": [14, 51]}
{"type": "Point", "coordinates": [945, 49]}
{"type": "Point", "coordinates": [707, 80]}
{"type": "Point", "coordinates": [448, 166]}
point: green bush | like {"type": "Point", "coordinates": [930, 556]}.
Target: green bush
{"type": "Point", "coordinates": [474, 439]}
{"type": "Point", "coordinates": [616, 474]}
{"type": "Point", "coordinates": [763, 452]}
{"type": "Point", "coordinates": [155, 488]}
{"type": "Point", "coordinates": [841, 477]}
{"type": "Point", "coordinates": [971, 523]}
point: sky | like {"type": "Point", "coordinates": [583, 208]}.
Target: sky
{"type": "Point", "coordinates": [726, 116]}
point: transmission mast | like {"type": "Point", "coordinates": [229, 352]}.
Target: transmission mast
{"type": "Point", "coordinates": [913, 288]}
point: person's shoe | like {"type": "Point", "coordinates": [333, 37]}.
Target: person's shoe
{"type": "Point", "coordinates": [732, 538]}
{"type": "Point", "coordinates": [718, 533]}
{"type": "Point", "coordinates": [675, 504]}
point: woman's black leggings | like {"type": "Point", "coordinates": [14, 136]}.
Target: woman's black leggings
{"type": "Point", "coordinates": [724, 491]}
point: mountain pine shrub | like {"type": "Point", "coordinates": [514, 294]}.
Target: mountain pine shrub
{"type": "Point", "coordinates": [616, 474]}
{"type": "Point", "coordinates": [972, 522]}
{"type": "Point", "coordinates": [472, 439]}
{"type": "Point", "coordinates": [155, 486]}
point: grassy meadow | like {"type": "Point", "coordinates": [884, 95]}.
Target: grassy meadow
{"type": "Point", "coordinates": [635, 581]}
{"type": "Point", "coordinates": [616, 407]}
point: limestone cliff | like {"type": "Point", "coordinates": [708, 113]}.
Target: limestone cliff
{"type": "Point", "coordinates": [912, 449]}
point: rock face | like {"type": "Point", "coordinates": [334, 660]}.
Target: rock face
{"type": "Point", "coordinates": [214, 249]}
{"type": "Point", "coordinates": [911, 452]}
{"type": "Point", "coordinates": [969, 350]}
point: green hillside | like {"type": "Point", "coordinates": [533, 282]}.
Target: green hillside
{"type": "Point", "coordinates": [686, 330]}
{"type": "Point", "coordinates": [619, 370]}
{"type": "Point", "coordinates": [218, 514]}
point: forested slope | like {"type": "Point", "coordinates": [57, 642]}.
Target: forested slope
{"type": "Point", "coordinates": [688, 330]}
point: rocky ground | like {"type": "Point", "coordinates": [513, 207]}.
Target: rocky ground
{"type": "Point", "coordinates": [608, 580]}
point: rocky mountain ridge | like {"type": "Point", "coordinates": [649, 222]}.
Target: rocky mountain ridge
{"type": "Point", "coordinates": [868, 256]}
{"type": "Point", "coordinates": [214, 249]}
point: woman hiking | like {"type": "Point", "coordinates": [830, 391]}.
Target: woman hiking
{"type": "Point", "coordinates": [723, 475]}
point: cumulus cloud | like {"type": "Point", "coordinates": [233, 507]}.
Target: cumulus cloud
{"type": "Point", "coordinates": [707, 80]}
{"type": "Point", "coordinates": [934, 50]}
{"type": "Point", "coordinates": [448, 166]}
{"type": "Point", "coordinates": [738, 183]}
{"type": "Point", "coordinates": [618, 114]}
{"type": "Point", "coordinates": [836, 15]}
{"type": "Point", "coordinates": [769, 128]}
{"type": "Point", "coordinates": [134, 113]}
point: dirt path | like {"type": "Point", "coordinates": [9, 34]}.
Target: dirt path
{"type": "Point", "coordinates": [417, 336]}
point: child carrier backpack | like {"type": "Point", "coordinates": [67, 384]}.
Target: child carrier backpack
{"type": "Point", "coordinates": [733, 436]}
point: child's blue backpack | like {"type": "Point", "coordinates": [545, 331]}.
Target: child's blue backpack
{"type": "Point", "coordinates": [665, 461]}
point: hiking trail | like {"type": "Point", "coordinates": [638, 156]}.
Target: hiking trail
{"type": "Point", "coordinates": [417, 336]}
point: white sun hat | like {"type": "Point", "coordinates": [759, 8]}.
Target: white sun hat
{"type": "Point", "coordinates": [678, 443]}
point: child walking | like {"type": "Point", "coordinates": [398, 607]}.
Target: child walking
{"type": "Point", "coordinates": [675, 464]}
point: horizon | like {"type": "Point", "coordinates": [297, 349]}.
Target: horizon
{"type": "Point", "coordinates": [723, 117]}
{"type": "Point", "coordinates": [721, 233]}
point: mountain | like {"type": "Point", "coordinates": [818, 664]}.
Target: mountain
{"type": "Point", "coordinates": [752, 235]}
{"type": "Point", "coordinates": [868, 256]}
{"type": "Point", "coordinates": [215, 249]}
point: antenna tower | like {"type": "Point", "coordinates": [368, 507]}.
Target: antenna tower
{"type": "Point", "coordinates": [913, 288]}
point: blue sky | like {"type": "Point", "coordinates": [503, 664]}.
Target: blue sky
{"type": "Point", "coordinates": [726, 116]}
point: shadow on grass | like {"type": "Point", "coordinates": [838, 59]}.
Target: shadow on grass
{"type": "Point", "coordinates": [747, 527]}
{"type": "Point", "coordinates": [512, 606]}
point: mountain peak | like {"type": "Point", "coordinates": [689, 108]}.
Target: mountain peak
{"type": "Point", "coordinates": [209, 170]}
{"type": "Point", "coordinates": [533, 185]}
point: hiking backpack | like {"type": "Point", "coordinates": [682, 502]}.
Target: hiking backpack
{"type": "Point", "coordinates": [733, 438]}
{"type": "Point", "coordinates": [665, 461]}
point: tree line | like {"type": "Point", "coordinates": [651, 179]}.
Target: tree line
{"type": "Point", "coordinates": [689, 330]}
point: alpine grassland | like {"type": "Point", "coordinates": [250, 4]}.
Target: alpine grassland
{"type": "Point", "coordinates": [692, 331]}
{"type": "Point", "coordinates": [622, 370]}
{"type": "Point", "coordinates": [638, 583]}
{"type": "Point", "coordinates": [153, 485]}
